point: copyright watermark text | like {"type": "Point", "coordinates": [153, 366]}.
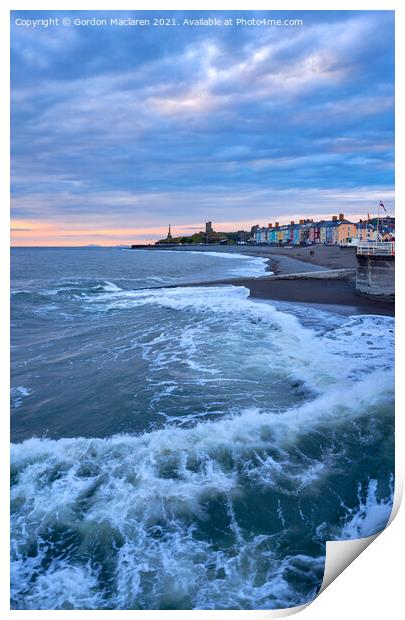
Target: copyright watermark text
{"type": "Point", "coordinates": [187, 22]}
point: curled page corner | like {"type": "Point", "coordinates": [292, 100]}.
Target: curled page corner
{"type": "Point", "coordinates": [340, 554]}
{"type": "Point", "coordinates": [398, 495]}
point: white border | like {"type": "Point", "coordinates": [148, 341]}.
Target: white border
{"type": "Point", "coordinates": [372, 585]}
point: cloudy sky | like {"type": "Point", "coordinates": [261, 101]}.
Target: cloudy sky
{"type": "Point", "coordinates": [117, 131]}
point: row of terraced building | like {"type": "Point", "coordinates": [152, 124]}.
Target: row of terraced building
{"type": "Point", "coordinates": [336, 231]}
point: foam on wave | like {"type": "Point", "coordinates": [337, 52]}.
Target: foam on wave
{"type": "Point", "coordinates": [145, 499]}
{"type": "Point", "coordinates": [123, 522]}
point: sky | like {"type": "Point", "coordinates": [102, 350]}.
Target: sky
{"type": "Point", "coordinates": [119, 131]}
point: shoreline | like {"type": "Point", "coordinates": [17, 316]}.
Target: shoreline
{"type": "Point", "coordinates": [333, 293]}
{"type": "Point", "coordinates": [337, 295]}
{"type": "Point", "coordinates": [280, 260]}
{"type": "Point", "coordinates": [325, 257]}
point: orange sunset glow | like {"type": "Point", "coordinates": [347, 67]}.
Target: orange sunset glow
{"type": "Point", "coordinates": [26, 233]}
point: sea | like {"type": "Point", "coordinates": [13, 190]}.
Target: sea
{"type": "Point", "coordinates": [189, 447]}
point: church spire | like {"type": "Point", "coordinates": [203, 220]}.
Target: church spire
{"type": "Point", "coordinates": [169, 234]}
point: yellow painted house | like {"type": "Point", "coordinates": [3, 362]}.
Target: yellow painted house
{"type": "Point", "coordinates": [345, 232]}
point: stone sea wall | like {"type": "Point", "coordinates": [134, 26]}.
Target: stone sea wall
{"type": "Point", "coordinates": [375, 276]}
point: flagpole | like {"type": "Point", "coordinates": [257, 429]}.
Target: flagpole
{"type": "Point", "coordinates": [378, 221]}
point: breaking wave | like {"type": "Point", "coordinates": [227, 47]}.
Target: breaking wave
{"type": "Point", "coordinates": [222, 513]}
{"type": "Point", "coordinates": [130, 516]}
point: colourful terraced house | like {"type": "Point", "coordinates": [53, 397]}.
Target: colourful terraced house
{"type": "Point", "coordinates": [338, 230]}
{"type": "Point", "coordinates": [346, 232]}
{"type": "Point", "coordinates": [328, 229]}
{"type": "Point", "coordinates": [365, 231]}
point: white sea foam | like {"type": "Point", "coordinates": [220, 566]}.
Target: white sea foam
{"type": "Point", "coordinates": [257, 265]}
{"type": "Point", "coordinates": [278, 338]}
{"type": "Point", "coordinates": [142, 495]}
{"type": "Point", "coordinates": [111, 287]}
{"type": "Point", "coordinates": [18, 394]}
{"type": "Point", "coordinates": [371, 516]}
{"type": "Point", "coordinates": [232, 255]}
{"type": "Point", "coordinates": [84, 285]}
{"type": "Point", "coordinates": [63, 586]}
{"type": "Point", "coordinates": [137, 505]}
{"type": "Point", "coordinates": [250, 266]}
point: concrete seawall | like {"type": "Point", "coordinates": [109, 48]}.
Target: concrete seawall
{"type": "Point", "coordinates": [375, 277]}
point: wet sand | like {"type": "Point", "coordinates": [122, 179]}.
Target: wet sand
{"type": "Point", "coordinates": [325, 256]}
{"type": "Point", "coordinates": [338, 295]}
{"type": "Point", "coordinates": [284, 259]}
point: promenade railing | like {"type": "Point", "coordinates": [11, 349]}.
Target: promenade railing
{"type": "Point", "coordinates": [376, 248]}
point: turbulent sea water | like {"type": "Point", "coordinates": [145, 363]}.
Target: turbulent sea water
{"type": "Point", "coordinates": [186, 448]}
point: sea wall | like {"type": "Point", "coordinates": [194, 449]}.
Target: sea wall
{"type": "Point", "coordinates": [375, 277]}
